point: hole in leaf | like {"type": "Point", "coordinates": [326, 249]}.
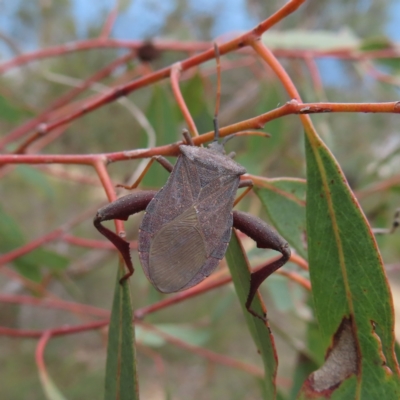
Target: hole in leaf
{"type": "Point", "coordinates": [341, 361]}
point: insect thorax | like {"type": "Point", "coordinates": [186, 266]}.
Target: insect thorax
{"type": "Point", "coordinates": [211, 159]}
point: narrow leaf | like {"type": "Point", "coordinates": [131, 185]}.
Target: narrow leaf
{"type": "Point", "coordinates": [120, 380]}
{"type": "Point", "coordinates": [351, 294]}
{"type": "Point", "coordinates": [259, 330]}
{"type": "Point", "coordinates": [311, 39]}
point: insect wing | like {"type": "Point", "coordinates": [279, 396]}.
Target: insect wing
{"type": "Point", "coordinates": [214, 205]}
{"type": "Point", "coordinates": [177, 252]}
{"type": "Point", "coordinates": [187, 226]}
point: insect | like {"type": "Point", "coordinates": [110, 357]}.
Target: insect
{"type": "Point", "coordinates": [187, 225]}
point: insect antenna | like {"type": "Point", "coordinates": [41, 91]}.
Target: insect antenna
{"type": "Point", "coordinates": [218, 99]}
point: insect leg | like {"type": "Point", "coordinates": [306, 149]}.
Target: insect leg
{"type": "Point", "coordinates": [163, 161]}
{"type": "Point", "coordinates": [122, 208]}
{"type": "Point", "coordinates": [266, 238]}
{"type": "Point", "coordinates": [187, 137]}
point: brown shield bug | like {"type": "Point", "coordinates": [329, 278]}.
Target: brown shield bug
{"type": "Point", "coordinates": [188, 223]}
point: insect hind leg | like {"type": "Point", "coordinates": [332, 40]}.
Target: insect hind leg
{"type": "Point", "coordinates": [266, 238]}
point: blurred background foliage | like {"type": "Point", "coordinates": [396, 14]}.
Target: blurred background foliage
{"type": "Point", "coordinates": [35, 200]}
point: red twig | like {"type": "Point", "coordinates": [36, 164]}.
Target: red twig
{"type": "Point", "coordinates": [40, 355]}
{"type": "Point", "coordinates": [296, 278]}
{"type": "Point", "coordinates": [175, 73]}
{"type": "Point", "coordinates": [99, 43]}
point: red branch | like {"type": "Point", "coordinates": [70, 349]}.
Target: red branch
{"type": "Point", "coordinates": [123, 90]}
{"type": "Point", "coordinates": [99, 44]}
{"type": "Point", "coordinates": [291, 107]}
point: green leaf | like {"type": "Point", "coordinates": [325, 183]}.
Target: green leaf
{"type": "Point", "coordinates": [28, 269]}
{"type": "Point", "coordinates": [30, 264]}
{"type": "Point", "coordinates": [382, 43]}
{"type": "Point", "coordinates": [351, 294]}
{"type": "Point", "coordinates": [121, 380]}
{"type": "Point", "coordinates": [284, 201]}
{"type": "Point", "coordinates": [259, 330]}
{"type": "Point", "coordinates": [311, 40]}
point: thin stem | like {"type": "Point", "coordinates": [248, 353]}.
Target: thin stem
{"type": "Point", "coordinates": [175, 74]}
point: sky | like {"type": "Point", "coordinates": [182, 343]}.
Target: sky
{"type": "Point", "coordinates": [230, 13]}
{"type": "Point", "coordinates": [130, 23]}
